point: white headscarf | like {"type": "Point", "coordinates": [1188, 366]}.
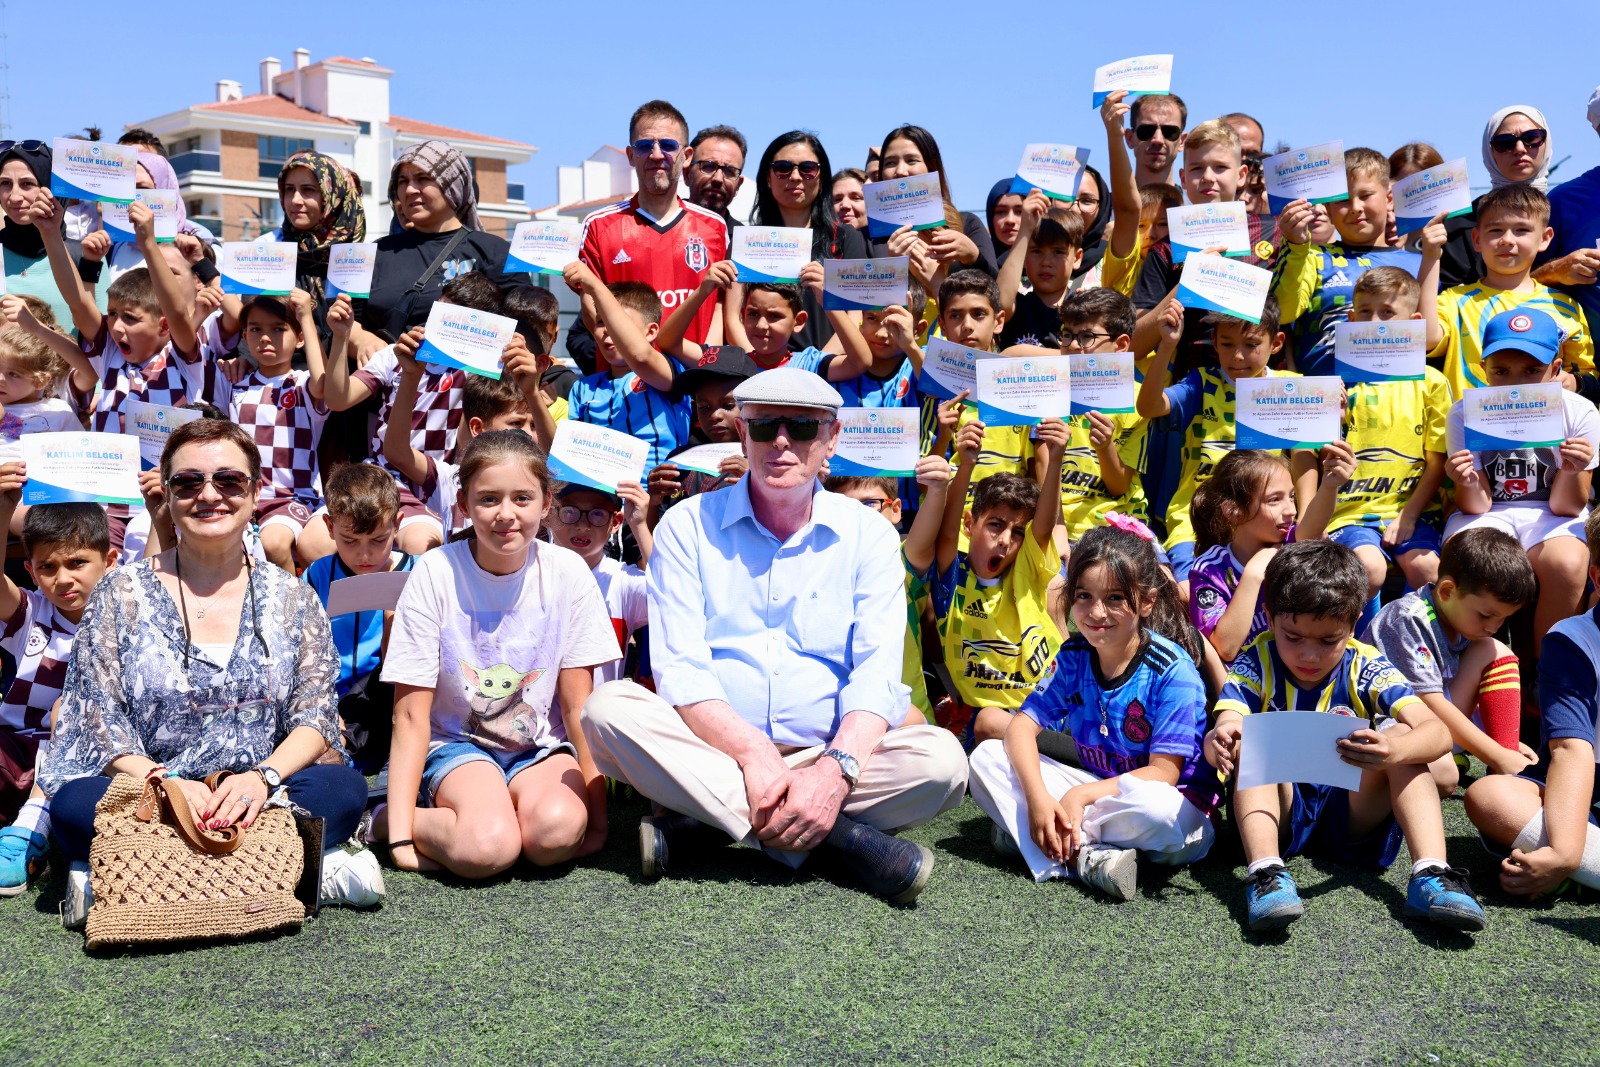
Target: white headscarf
{"type": "Point", "coordinates": [1541, 178]}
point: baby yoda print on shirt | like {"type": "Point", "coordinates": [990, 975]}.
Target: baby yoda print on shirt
{"type": "Point", "coordinates": [497, 703]}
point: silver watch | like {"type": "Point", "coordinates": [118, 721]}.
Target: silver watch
{"type": "Point", "coordinates": [849, 766]}
{"type": "Point", "coordinates": [270, 776]}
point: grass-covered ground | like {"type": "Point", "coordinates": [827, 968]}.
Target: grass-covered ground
{"type": "Point", "coordinates": [737, 962]}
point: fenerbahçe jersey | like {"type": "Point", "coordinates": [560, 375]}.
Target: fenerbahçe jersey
{"type": "Point", "coordinates": [621, 243]}
{"type": "Point", "coordinates": [1391, 427]}
{"type": "Point", "coordinates": [1085, 500]}
{"type": "Point", "coordinates": [999, 641]}
{"type": "Point", "coordinates": [1364, 684]}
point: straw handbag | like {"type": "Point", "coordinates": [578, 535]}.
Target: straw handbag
{"type": "Point", "coordinates": [157, 877]}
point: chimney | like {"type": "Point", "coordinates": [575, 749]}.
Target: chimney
{"type": "Point", "coordinates": [269, 70]}
{"type": "Point", "coordinates": [302, 59]}
{"type": "Point", "coordinates": [229, 90]}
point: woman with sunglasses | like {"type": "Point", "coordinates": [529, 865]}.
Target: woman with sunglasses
{"type": "Point", "coordinates": [1516, 151]}
{"type": "Point", "coordinates": [24, 174]}
{"type": "Point", "coordinates": [201, 660]}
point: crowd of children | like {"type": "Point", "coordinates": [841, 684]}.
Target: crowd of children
{"type": "Point", "coordinates": [1096, 604]}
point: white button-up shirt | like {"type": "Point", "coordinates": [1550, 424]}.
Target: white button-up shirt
{"type": "Point", "coordinates": [792, 635]}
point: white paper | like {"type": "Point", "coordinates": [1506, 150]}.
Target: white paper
{"type": "Point", "coordinates": [707, 459]}
{"type": "Point", "coordinates": [544, 246]}
{"type": "Point", "coordinates": [1138, 76]}
{"type": "Point", "coordinates": [457, 336]}
{"type": "Point", "coordinates": [878, 441]}
{"type": "Point", "coordinates": [1216, 283]}
{"type": "Point", "coordinates": [163, 204]}
{"type": "Point", "coordinates": [1392, 350]}
{"type": "Point", "coordinates": [93, 170]}
{"type": "Point", "coordinates": [350, 269]}
{"type": "Point", "coordinates": [1195, 227]}
{"type": "Point", "coordinates": [596, 456]}
{"type": "Point", "coordinates": [366, 592]}
{"type": "Point", "coordinates": [1056, 170]}
{"type": "Point", "coordinates": [1103, 382]}
{"type": "Point", "coordinates": [257, 268]}
{"type": "Point", "coordinates": [1315, 173]}
{"type": "Point", "coordinates": [865, 284]}
{"type": "Point", "coordinates": [1500, 417]}
{"type": "Point", "coordinates": [73, 467]}
{"type": "Point", "coordinates": [1297, 746]}
{"type": "Point", "coordinates": [770, 253]}
{"type": "Point", "coordinates": [1443, 190]}
{"type": "Point", "coordinates": [152, 424]}
{"type": "Point", "coordinates": [1284, 411]}
{"type": "Point", "coordinates": [1021, 390]}
{"type": "Point", "coordinates": [897, 202]}
{"type": "Point", "coordinates": [949, 369]}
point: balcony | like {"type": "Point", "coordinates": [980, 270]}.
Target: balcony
{"type": "Point", "coordinates": [189, 162]}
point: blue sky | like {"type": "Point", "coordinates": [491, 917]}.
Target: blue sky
{"type": "Point", "coordinates": [566, 76]}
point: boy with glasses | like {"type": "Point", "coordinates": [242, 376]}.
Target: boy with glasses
{"type": "Point", "coordinates": [583, 519]}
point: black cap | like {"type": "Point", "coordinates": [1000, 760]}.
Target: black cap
{"type": "Point", "coordinates": [716, 361]}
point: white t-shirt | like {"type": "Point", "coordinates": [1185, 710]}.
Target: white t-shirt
{"type": "Point", "coordinates": [1525, 475]}
{"type": "Point", "coordinates": [623, 588]}
{"type": "Point", "coordinates": [49, 415]}
{"type": "Point", "coordinates": [491, 646]}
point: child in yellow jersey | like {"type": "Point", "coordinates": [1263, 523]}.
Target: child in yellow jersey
{"type": "Point", "coordinates": [1513, 228]}
{"type": "Point", "coordinates": [1390, 465]}
{"type": "Point", "coordinates": [994, 623]}
{"type": "Point", "coordinates": [1203, 404]}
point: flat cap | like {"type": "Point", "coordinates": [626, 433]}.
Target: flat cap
{"type": "Point", "coordinates": [789, 387]}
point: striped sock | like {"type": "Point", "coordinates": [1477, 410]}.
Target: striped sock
{"type": "Point", "coordinates": [1500, 702]}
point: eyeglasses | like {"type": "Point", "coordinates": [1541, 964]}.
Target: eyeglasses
{"type": "Point", "coordinates": [765, 430]}
{"type": "Point", "coordinates": [1146, 130]}
{"type": "Point", "coordinates": [785, 167]}
{"type": "Point", "coordinates": [228, 482]}
{"type": "Point", "coordinates": [708, 168]}
{"type": "Point", "coordinates": [876, 503]}
{"type": "Point", "coordinates": [645, 146]}
{"type": "Point", "coordinates": [599, 517]}
{"type": "Point", "coordinates": [1089, 201]}
{"type": "Point", "coordinates": [26, 146]}
{"type": "Point", "coordinates": [1086, 339]}
{"type": "Point", "coordinates": [1505, 142]}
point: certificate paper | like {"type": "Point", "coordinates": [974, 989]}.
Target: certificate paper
{"type": "Point", "coordinates": [257, 268]}
{"type": "Point", "coordinates": [163, 203]}
{"type": "Point", "coordinates": [1139, 76]}
{"type": "Point", "coordinates": [1392, 351]}
{"type": "Point", "coordinates": [1296, 746]}
{"type": "Point", "coordinates": [596, 456]}
{"type": "Point", "coordinates": [1213, 283]}
{"type": "Point", "coordinates": [1283, 412]}
{"type": "Point", "coordinates": [878, 441]}
{"type": "Point", "coordinates": [949, 368]}
{"type": "Point", "coordinates": [1103, 382]}
{"type": "Point", "coordinates": [1511, 416]}
{"type": "Point", "coordinates": [152, 424]}
{"type": "Point", "coordinates": [66, 468]}
{"type": "Point", "coordinates": [771, 253]}
{"type": "Point", "coordinates": [350, 269]}
{"type": "Point", "coordinates": [366, 592]}
{"type": "Point", "coordinates": [707, 459]}
{"type": "Point", "coordinates": [457, 336]}
{"type": "Point", "coordinates": [1056, 170]}
{"type": "Point", "coordinates": [1442, 190]}
{"type": "Point", "coordinates": [93, 170]}
{"type": "Point", "coordinates": [864, 284]}
{"type": "Point", "coordinates": [1021, 390]}
{"type": "Point", "coordinates": [544, 246]}
{"type": "Point", "coordinates": [1315, 174]}
{"type": "Point", "coordinates": [1195, 227]}
{"type": "Point", "coordinates": [897, 202]}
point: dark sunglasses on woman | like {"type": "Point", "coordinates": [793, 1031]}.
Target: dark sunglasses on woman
{"type": "Point", "coordinates": [785, 167]}
{"type": "Point", "coordinates": [26, 146]}
{"type": "Point", "coordinates": [228, 482]}
{"type": "Point", "coordinates": [1505, 142]}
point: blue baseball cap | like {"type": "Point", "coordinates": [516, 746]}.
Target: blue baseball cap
{"type": "Point", "coordinates": [1526, 330]}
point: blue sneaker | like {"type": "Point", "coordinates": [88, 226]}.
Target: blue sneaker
{"type": "Point", "coordinates": [21, 856]}
{"type": "Point", "coordinates": [1441, 895]}
{"type": "Point", "coordinates": [1273, 899]}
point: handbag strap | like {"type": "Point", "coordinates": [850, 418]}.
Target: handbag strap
{"type": "Point", "coordinates": [222, 843]}
{"type": "Point", "coordinates": [438, 260]}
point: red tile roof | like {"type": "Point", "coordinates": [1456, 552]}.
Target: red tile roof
{"type": "Point", "coordinates": [418, 128]}
{"type": "Point", "coordinates": [272, 107]}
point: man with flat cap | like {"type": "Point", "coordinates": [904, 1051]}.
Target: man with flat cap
{"type": "Point", "coordinates": [777, 622]}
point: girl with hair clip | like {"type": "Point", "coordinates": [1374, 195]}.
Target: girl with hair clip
{"type": "Point", "coordinates": [1126, 704]}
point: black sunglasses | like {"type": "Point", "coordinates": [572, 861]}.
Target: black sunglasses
{"type": "Point", "coordinates": [1146, 130]}
{"type": "Point", "coordinates": [708, 168]}
{"type": "Point", "coordinates": [26, 146]}
{"type": "Point", "coordinates": [766, 430]}
{"type": "Point", "coordinates": [598, 517]}
{"type": "Point", "coordinates": [646, 145]}
{"type": "Point", "coordinates": [228, 482]}
{"type": "Point", "coordinates": [1505, 142]}
{"type": "Point", "coordinates": [785, 167]}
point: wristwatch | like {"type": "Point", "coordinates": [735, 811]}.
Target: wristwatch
{"type": "Point", "coordinates": [849, 766]}
{"type": "Point", "coordinates": [270, 776]}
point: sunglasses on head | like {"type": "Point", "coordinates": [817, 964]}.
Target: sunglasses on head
{"type": "Point", "coordinates": [644, 146]}
{"type": "Point", "coordinates": [785, 167]}
{"type": "Point", "coordinates": [598, 517]}
{"type": "Point", "coordinates": [708, 168]}
{"type": "Point", "coordinates": [227, 482]}
{"type": "Point", "coordinates": [1505, 142]}
{"type": "Point", "coordinates": [26, 146]}
{"type": "Point", "coordinates": [766, 430]}
{"type": "Point", "coordinates": [1146, 130]}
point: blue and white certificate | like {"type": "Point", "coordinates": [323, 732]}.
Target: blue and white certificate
{"type": "Point", "coordinates": [707, 458]}
{"type": "Point", "coordinates": [163, 204]}
{"type": "Point", "coordinates": [93, 170]}
{"type": "Point", "coordinates": [865, 284]}
{"type": "Point", "coordinates": [152, 424]}
{"type": "Point", "coordinates": [878, 441]}
{"type": "Point", "coordinates": [544, 246]}
{"type": "Point", "coordinates": [1510, 416]}
{"type": "Point", "coordinates": [770, 253]}
{"type": "Point", "coordinates": [457, 336]}
{"type": "Point", "coordinates": [1443, 190]}
{"type": "Point", "coordinates": [1021, 390]}
{"type": "Point", "coordinates": [1287, 412]}
{"type": "Point", "coordinates": [350, 269]}
{"type": "Point", "coordinates": [1056, 170]}
{"type": "Point", "coordinates": [1315, 174]}
{"type": "Point", "coordinates": [1196, 227]}
{"type": "Point", "coordinates": [914, 201]}
{"type": "Point", "coordinates": [596, 456]}
{"type": "Point", "coordinates": [75, 468]}
{"type": "Point", "coordinates": [948, 369]}
{"type": "Point", "coordinates": [1103, 382]}
{"type": "Point", "coordinates": [1216, 283]}
{"type": "Point", "coordinates": [1138, 76]}
{"type": "Point", "coordinates": [257, 268]}
{"type": "Point", "coordinates": [1395, 350]}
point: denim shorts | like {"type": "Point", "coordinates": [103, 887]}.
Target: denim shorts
{"type": "Point", "coordinates": [447, 757]}
{"type": "Point", "coordinates": [1423, 536]}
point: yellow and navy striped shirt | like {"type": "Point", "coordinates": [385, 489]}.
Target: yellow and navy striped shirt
{"type": "Point", "coordinates": [1466, 309]}
{"type": "Point", "coordinates": [1364, 684]}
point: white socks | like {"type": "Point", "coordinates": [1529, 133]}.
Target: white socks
{"type": "Point", "coordinates": [1424, 864]}
{"type": "Point", "coordinates": [1588, 872]}
{"type": "Point", "coordinates": [35, 816]}
{"type": "Point", "coordinates": [1265, 861]}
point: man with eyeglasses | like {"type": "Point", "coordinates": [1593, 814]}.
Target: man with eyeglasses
{"type": "Point", "coordinates": [777, 630]}
{"type": "Point", "coordinates": [717, 171]}
{"type": "Point", "coordinates": [1155, 136]}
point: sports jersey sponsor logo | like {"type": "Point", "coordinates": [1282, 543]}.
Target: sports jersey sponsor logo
{"type": "Point", "coordinates": [1032, 655]}
{"type": "Point", "coordinates": [1380, 454]}
{"type": "Point", "coordinates": [975, 609]}
{"type": "Point", "coordinates": [1245, 669]}
{"type": "Point", "coordinates": [36, 642]}
{"type": "Point", "coordinates": [621, 257]}
{"type": "Point", "coordinates": [637, 386]}
{"type": "Point", "coordinates": [1136, 727]}
{"type": "Point", "coordinates": [1338, 281]}
{"type": "Point", "coordinates": [695, 254]}
{"type": "Point", "coordinates": [902, 389]}
{"type": "Point", "coordinates": [671, 298]}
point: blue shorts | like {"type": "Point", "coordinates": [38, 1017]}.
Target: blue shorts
{"type": "Point", "coordinates": [447, 757]}
{"type": "Point", "coordinates": [1319, 825]}
{"type": "Point", "coordinates": [1423, 536]}
{"type": "Point", "coordinates": [1182, 557]}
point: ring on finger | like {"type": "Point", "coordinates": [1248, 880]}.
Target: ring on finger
{"type": "Point", "coordinates": [245, 799]}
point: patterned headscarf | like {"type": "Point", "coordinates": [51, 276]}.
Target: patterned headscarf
{"type": "Point", "coordinates": [344, 219]}
{"type": "Point", "coordinates": [446, 165]}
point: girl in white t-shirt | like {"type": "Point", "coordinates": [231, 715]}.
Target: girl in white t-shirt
{"type": "Point", "coordinates": [492, 655]}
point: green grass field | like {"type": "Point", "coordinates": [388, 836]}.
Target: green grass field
{"type": "Point", "coordinates": [737, 962]}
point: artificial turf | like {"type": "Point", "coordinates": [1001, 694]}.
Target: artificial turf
{"type": "Point", "coordinates": [735, 961]}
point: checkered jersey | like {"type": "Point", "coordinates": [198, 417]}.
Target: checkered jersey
{"type": "Point", "coordinates": [40, 640]}
{"type": "Point", "coordinates": [286, 423]}
{"type": "Point", "coordinates": [437, 414]}
{"type": "Point", "coordinates": [163, 379]}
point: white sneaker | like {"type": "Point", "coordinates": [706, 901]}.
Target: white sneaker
{"type": "Point", "coordinates": [1113, 871]}
{"type": "Point", "coordinates": [79, 899]}
{"type": "Point", "coordinates": [352, 879]}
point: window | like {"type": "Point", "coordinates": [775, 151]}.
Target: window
{"type": "Point", "coordinates": [364, 127]}
{"type": "Point", "coordinates": [274, 152]}
{"type": "Point", "coordinates": [188, 144]}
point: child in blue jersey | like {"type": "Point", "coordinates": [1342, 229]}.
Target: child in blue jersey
{"type": "Point", "coordinates": [363, 518]}
{"type": "Point", "coordinates": [1127, 697]}
{"type": "Point", "coordinates": [1308, 661]}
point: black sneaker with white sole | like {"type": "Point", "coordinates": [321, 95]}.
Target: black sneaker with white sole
{"type": "Point", "coordinates": [890, 867]}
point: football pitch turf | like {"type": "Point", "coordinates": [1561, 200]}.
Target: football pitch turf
{"type": "Point", "coordinates": [735, 961]}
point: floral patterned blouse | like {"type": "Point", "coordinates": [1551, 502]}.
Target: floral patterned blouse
{"type": "Point", "coordinates": [127, 691]}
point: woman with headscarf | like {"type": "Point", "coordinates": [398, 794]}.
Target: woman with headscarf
{"type": "Point", "coordinates": [24, 174]}
{"type": "Point", "coordinates": [1516, 151]}
{"type": "Point", "coordinates": [321, 207]}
